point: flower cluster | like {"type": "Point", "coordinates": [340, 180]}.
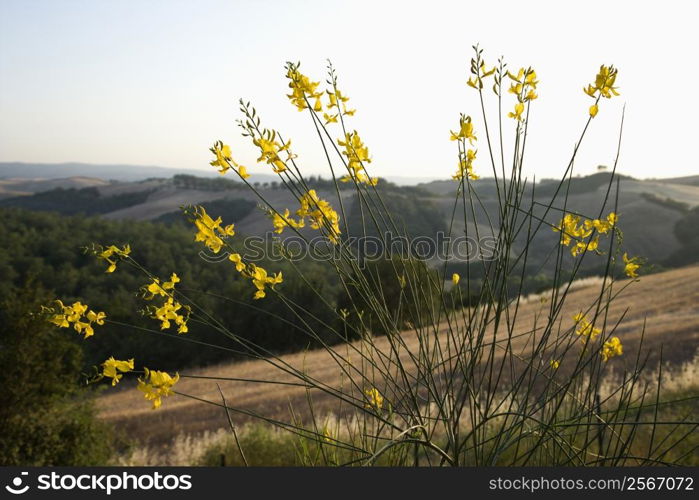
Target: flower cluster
{"type": "Point", "coordinates": [112, 367]}
{"type": "Point", "coordinates": [524, 87]}
{"type": "Point", "coordinates": [280, 221]}
{"type": "Point", "coordinates": [156, 385]}
{"type": "Point", "coordinates": [465, 130]}
{"type": "Point", "coordinates": [466, 155]}
{"type": "Point", "coordinates": [465, 166]}
{"type": "Point", "coordinates": [603, 87]}
{"type": "Point", "coordinates": [270, 149]}
{"type": "Point", "coordinates": [357, 155]}
{"type": "Point", "coordinates": [375, 398]}
{"type": "Point", "coordinates": [573, 227]}
{"type": "Point", "coordinates": [302, 89]}
{"type": "Point", "coordinates": [77, 315]}
{"type": "Point", "coordinates": [320, 213]}
{"type": "Point", "coordinates": [110, 253]}
{"type": "Point", "coordinates": [210, 231]}
{"type": "Point", "coordinates": [584, 328]}
{"type": "Point", "coordinates": [336, 99]}
{"type": "Point", "coordinates": [224, 160]}
{"type": "Point", "coordinates": [478, 71]}
{"type": "Point", "coordinates": [611, 348]}
{"type": "Point", "coordinates": [170, 309]}
{"type": "Point", "coordinates": [631, 266]}
{"type": "Point", "coordinates": [259, 276]}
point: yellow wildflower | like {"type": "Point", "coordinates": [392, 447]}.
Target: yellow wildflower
{"type": "Point", "coordinates": [593, 110]}
{"type": "Point", "coordinates": [585, 329]}
{"type": "Point", "coordinates": [210, 231]}
{"type": "Point", "coordinates": [375, 398]}
{"type": "Point", "coordinates": [168, 311]}
{"type": "Point", "coordinates": [554, 364]}
{"type": "Point", "coordinates": [466, 166]}
{"type": "Point", "coordinates": [63, 316]}
{"type": "Point", "coordinates": [112, 367]}
{"type": "Point", "coordinates": [517, 113]}
{"type": "Point", "coordinates": [302, 88]}
{"type": "Point", "coordinates": [465, 130]}
{"type": "Point", "coordinates": [611, 348]}
{"type": "Point", "coordinates": [261, 280]}
{"type": "Point", "coordinates": [455, 279]}
{"type": "Point", "coordinates": [357, 155]}
{"type": "Point", "coordinates": [270, 150]}
{"type": "Point", "coordinates": [224, 160]}
{"type": "Point", "coordinates": [110, 252]}
{"type": "Point", "coordinates": [631, 266]}
{"type": "Point", "coordinates": [321, 214]}
{"type": "Point", "coordinates": [572, 228]}
{"type": "Point", "coordinates": [238, 261]}
{"type": "Point", "coordinates": [156, 288]}
{"type": "Point", "coordinates": [604, 84]}
{"type": "Point", "coordinates": [280, 221]}
{"type": "Point", "coordinates": [156, 385]}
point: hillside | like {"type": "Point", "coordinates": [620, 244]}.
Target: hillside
{"type": "Point", "coordinates": [649, 210]}
{"type": "Point", "coordinates": [668, 302]}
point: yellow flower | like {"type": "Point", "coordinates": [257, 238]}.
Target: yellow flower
{"type": "Point", "coordinates": [572, 228]}
{"type": "Point", "coordinates": [63, 316]}
{"type": "Point", "coordinates": [375, 398]}
{"type": "Point", "coordinates": [465, 130]}
{"type": "Point", "coordinates": [604, 83]}
{"type": "Point", "coordinates": [611, 348]}
{"type": "Point", "coordinates": [357, 155]}
{"type": "Point", "coordinates": [210, 231]}
{"type": "Point", "coordinates": [585, 329]}
{"type": "Point", "coordinates": [321, 214]}
{"type": "Point", "coordinates": [554, 363]}
{"type": "Point", "coordinates": [593, 110]}
{"type": "Point", "coordinates": [224, 160]}
{"type": "Point", "coordinates": [237, 260]}
{"type": "Point", "coordinates": [517, 113]}
{"type": "Point", "coordinates": [465, 166]}
{"type": "Point", "coordinates": [281, 221]}
{"type": "Point", "coordinates": [455, 279]}
{"type": "Point", "coordinates": [156, 288]}
{"type": "Point", "coordinates": [631, 266]}
{"type": "Point", "coordinates": [112, 367]}
{"type": "Point", "coordinates": [168, 311]}
{"type": "Point", "coordinates": [156, 385]}
{"type": "Point", "coordinates": [261, 280]}
{"type": "Point", "coordinates": [270, 150]}
{"type": "Point", "coordinates": [107, 254]}
{"type": "Point", "coordinates": [302, 88]}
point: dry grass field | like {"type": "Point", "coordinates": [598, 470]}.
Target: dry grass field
{"type": "Point", "coordinates": [668, 302]}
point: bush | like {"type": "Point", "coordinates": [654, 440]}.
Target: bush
{"type": "Point", "coordinates": [45, 416]}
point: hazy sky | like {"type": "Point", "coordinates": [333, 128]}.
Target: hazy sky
{"type": "Point", "coordinates": [156, 82]}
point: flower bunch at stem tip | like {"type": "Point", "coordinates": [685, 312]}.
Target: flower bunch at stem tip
{"type": "Point", "coordinates": [77, 315]}
{"type": "Point", "coordinates": [224, 160]}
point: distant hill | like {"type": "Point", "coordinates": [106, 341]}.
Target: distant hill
{"type": "Point", "coordinates": [649, 210]}
{"type": "Point", "coordinates": [123, 173]}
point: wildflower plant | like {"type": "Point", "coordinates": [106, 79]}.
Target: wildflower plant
{"type": "Point", "coordinates": [443, 372]}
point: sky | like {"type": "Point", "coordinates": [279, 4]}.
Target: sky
{"type": "Point", "coordinates": [157, 82]}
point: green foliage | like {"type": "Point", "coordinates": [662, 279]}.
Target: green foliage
{"type": "Point", "coordinates": [45, 417]}
{"type": "Point", "coordinates": [413, 216]}
{"type": "Point", "coordinates": [687, 231]}
{"type": "Point", "coordinates": [73, 201]}
{"type": "Point", "coordinates": [48, 247]}
{"type": "Point", "coordinates": [578, 185]}
{"type": "Point", "coordinates": [666, 202]}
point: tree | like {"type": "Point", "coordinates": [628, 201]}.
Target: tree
{"type": "Point", "coordinates": [46, 417]}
